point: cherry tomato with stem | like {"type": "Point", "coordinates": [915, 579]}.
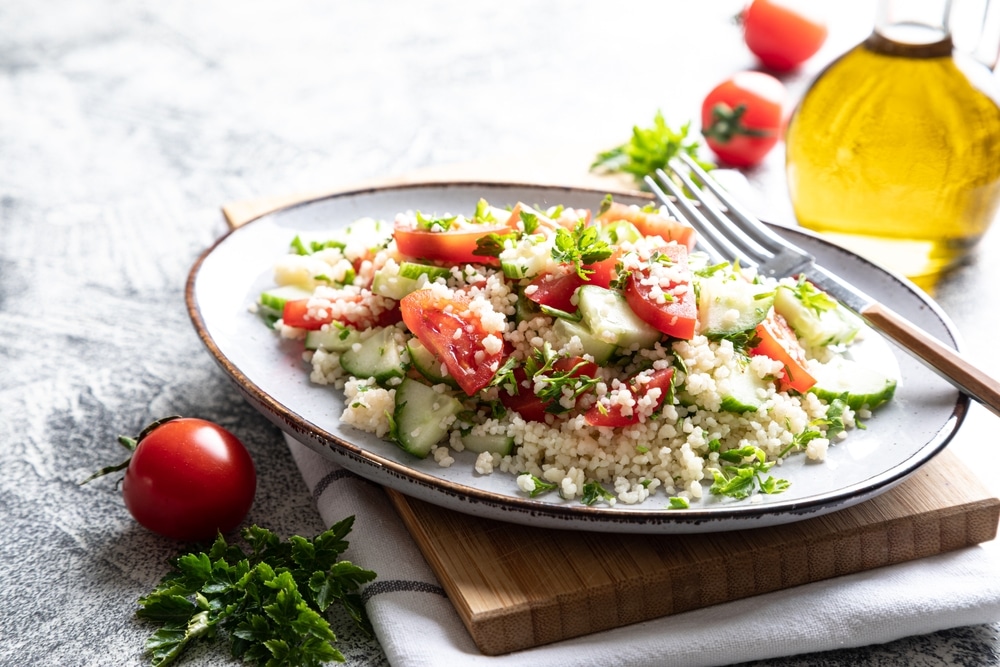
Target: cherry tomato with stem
{"type": "Point", "coordinates": [187, 479]}
{"type": "Point", "coordinates": [743, 117]}
{"type": "Point", "coordinates": [781, 34]}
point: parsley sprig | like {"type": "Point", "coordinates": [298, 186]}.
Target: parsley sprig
{"type": "Point", "coordinates": [270, 601]}
{"type": "Point", "coordinates": [580, 247]}
{"type": "Point", "coordinates": [745, 473]}
{"type": "Point", "coordinates": [649, 149]}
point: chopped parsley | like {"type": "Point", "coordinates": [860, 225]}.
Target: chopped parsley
{"type": "Point", "coordinates": [580, 247]}
{"type": "Point", "coordinates": [741, 477]}
{"type": "Point", "coordinates": [648, 149]}
{"type": "Point", "coordinates": [593, 492]}
{"type": "Point", "coordinates": [270, 602]}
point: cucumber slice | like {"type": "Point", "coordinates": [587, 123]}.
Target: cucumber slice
{"type": "Point", "coordinates": [619, 231]}
{"type": "Point", "coordinates": [824, 323]}
{"type": "Point", "coordinates": [595, 347]}
{"type": "Point", "coordinates": [375, 357]}
{"type": "Point", "coordinates": [397, 284]}
{"type": "Point", "coordinates": [276, 298]}
{"type": "Point", "coordinates": [421, 416]}
{"type": "Point", "coordinates": [728, 305]}
{"type": "Point", "coordinates": [606, 314]}
{"type": "Point", "coordinates": [744, 391]}
{"type": "Point", "coordinates": [336, 338]}
{"type": "Point", "coordinates": [427, 364]}
{"type": "Point", "coordinates": [495, 444]}
{"type": "Point", "coordinates": [858, 384]}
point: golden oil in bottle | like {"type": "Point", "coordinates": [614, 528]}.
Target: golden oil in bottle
{"type": "Point", "coordinates": [894, 152]}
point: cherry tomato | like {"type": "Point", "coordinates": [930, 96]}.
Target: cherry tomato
{"type": "Point", "coordinates": [454, 335]}
{"type": "Point", "coordinates": [603, 415]}
{"type": "Point", "coordinates": [743, 117]}
{"type": "Point", "coordinates": [188, 479]}
{"type": "Point", "coordinates": [675, 316]}
{"type": "Point", "coordinates": [650, 223]}
{"type": "Point", "coordinates": [782, 35]}
{"type": "Point", "coordinates": [778, 341]}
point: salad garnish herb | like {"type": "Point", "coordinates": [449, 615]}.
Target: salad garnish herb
{"type": "Point", "coordinates": [580, 247]}
{"type": "Point", "coordinates": [593, 492]}
{"type": "Point", "coordinates": [270, 602]}
{"type": "Point", "coordinates": [541, 486]}
{"type": "Point", "coordinates": [648, 149]}
{"type": "Point", "coordinates": [740, 478]}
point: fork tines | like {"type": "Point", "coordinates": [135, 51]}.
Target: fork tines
{"type": "Point", "coordinates": [725, 235]}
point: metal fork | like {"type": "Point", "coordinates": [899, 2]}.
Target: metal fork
{"type": "Point", "coordinates": [739, 235]}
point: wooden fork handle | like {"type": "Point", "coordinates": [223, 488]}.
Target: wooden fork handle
{"type": "Point", "coordinates": [947, 362]}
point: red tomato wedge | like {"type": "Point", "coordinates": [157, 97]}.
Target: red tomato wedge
{"type": "Point", "coordinates": [651, 223]}
{"type": "Point", "coordinates": [670, 308]}
{"type": "Point", "coordinates": [296, 314]}
{"type": "Point", "coordinates": [604, 415]}
{"type": "Point", "coordinates": [778, 341]}
{"type": "Point", "coordinates": [453, 247]}
{"type": "Point", "coordinates": [530, 406]}
{"type": "Point", "coordinates": [555, 290]}
{"type": "Point", "coordinates": [455, 336]}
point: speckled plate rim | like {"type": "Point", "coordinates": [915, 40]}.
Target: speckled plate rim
{"type": "Point", "coordinates": [519, 509]}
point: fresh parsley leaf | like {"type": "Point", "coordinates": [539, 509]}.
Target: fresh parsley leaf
{"type": "Point", "coordinates": [492, 244]}
{"type": "Point", "coordinates": [541, 486]}
{"type": "Point", "coordinates": [593, 492]}
{"type": "Point", "coordinates": [746, 474]}
{"type": "Point", "coordinates": [270, 601]}
{"type": "Point", "coordinates": [579, 248]}
{"type": "Point", "coordinates": [679, 503]}
{"type": "Point", "coordinates": [435, 224]}
{"type": "Point", "coordinates": [649, 149]}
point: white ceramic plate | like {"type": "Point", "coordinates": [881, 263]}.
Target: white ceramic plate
{"type": "Point", "coordinates": [270, 373]}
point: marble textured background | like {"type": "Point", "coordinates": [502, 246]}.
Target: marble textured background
{"type": "Point", "coordinates": [123, 128]}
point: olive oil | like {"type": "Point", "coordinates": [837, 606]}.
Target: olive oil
{"type": "Point", "coordinates": [894, 152]}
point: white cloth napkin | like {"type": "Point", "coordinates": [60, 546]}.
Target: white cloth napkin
{"type": "Point", "coordinates": [417, 626]}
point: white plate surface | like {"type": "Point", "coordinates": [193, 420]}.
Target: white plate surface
{"type": "Point", "coordinates": [227, 279]}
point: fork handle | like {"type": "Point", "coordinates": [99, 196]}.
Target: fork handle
{"type": "Point", "coordinates": [944, 360]}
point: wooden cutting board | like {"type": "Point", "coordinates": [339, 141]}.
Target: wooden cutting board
{"type": "Point", "coordinates": [516, 587]}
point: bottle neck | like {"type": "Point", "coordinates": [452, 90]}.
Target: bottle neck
{"type": "Point", "coordinates": [912, 28]}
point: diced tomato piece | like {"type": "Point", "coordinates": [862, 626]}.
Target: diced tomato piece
{"type": "Point", "coordinates": [651, 224]}
{"type": "Point", "coordinates": [603, 415]}
{"type": "Point", "coordinates": [524, 402]}
{"type": "Point", "coordinates": [452, 247]}
{"type": "Point", "coordinates": [296, 314]}
{"type": "Point", "coordinates": [603, 271]}
{"type": "Point", "coordinates": [530, 406]}
{"type": "Point", "coordinates": [555, 290]}
{"type": "Point", "coordinates": [677, 314]}
{"type": "Point", "coordinates": [455, 336]}
{"type": "Point", "coordinates": [778, 341]}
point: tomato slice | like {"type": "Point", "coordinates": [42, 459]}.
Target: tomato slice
{"type": "Point", "coordinates": [604, 415]}
{"type": "Point", "coordinates": [453, 247]}
{"type": "Point", "coordinates": [651, 224]}
{"type": "Point", "coordinates": [527, 404]}
{"type": "Point", "coordinates": [296, 314]}
{"type": "Point", "coordinates": [677, 313]}
{"type": "Point", "coordinates": [778, 341]}
{"type": "Point", "coordinates": [455, 336]}
{"type": "Point", "coordinates": [555, 290]}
